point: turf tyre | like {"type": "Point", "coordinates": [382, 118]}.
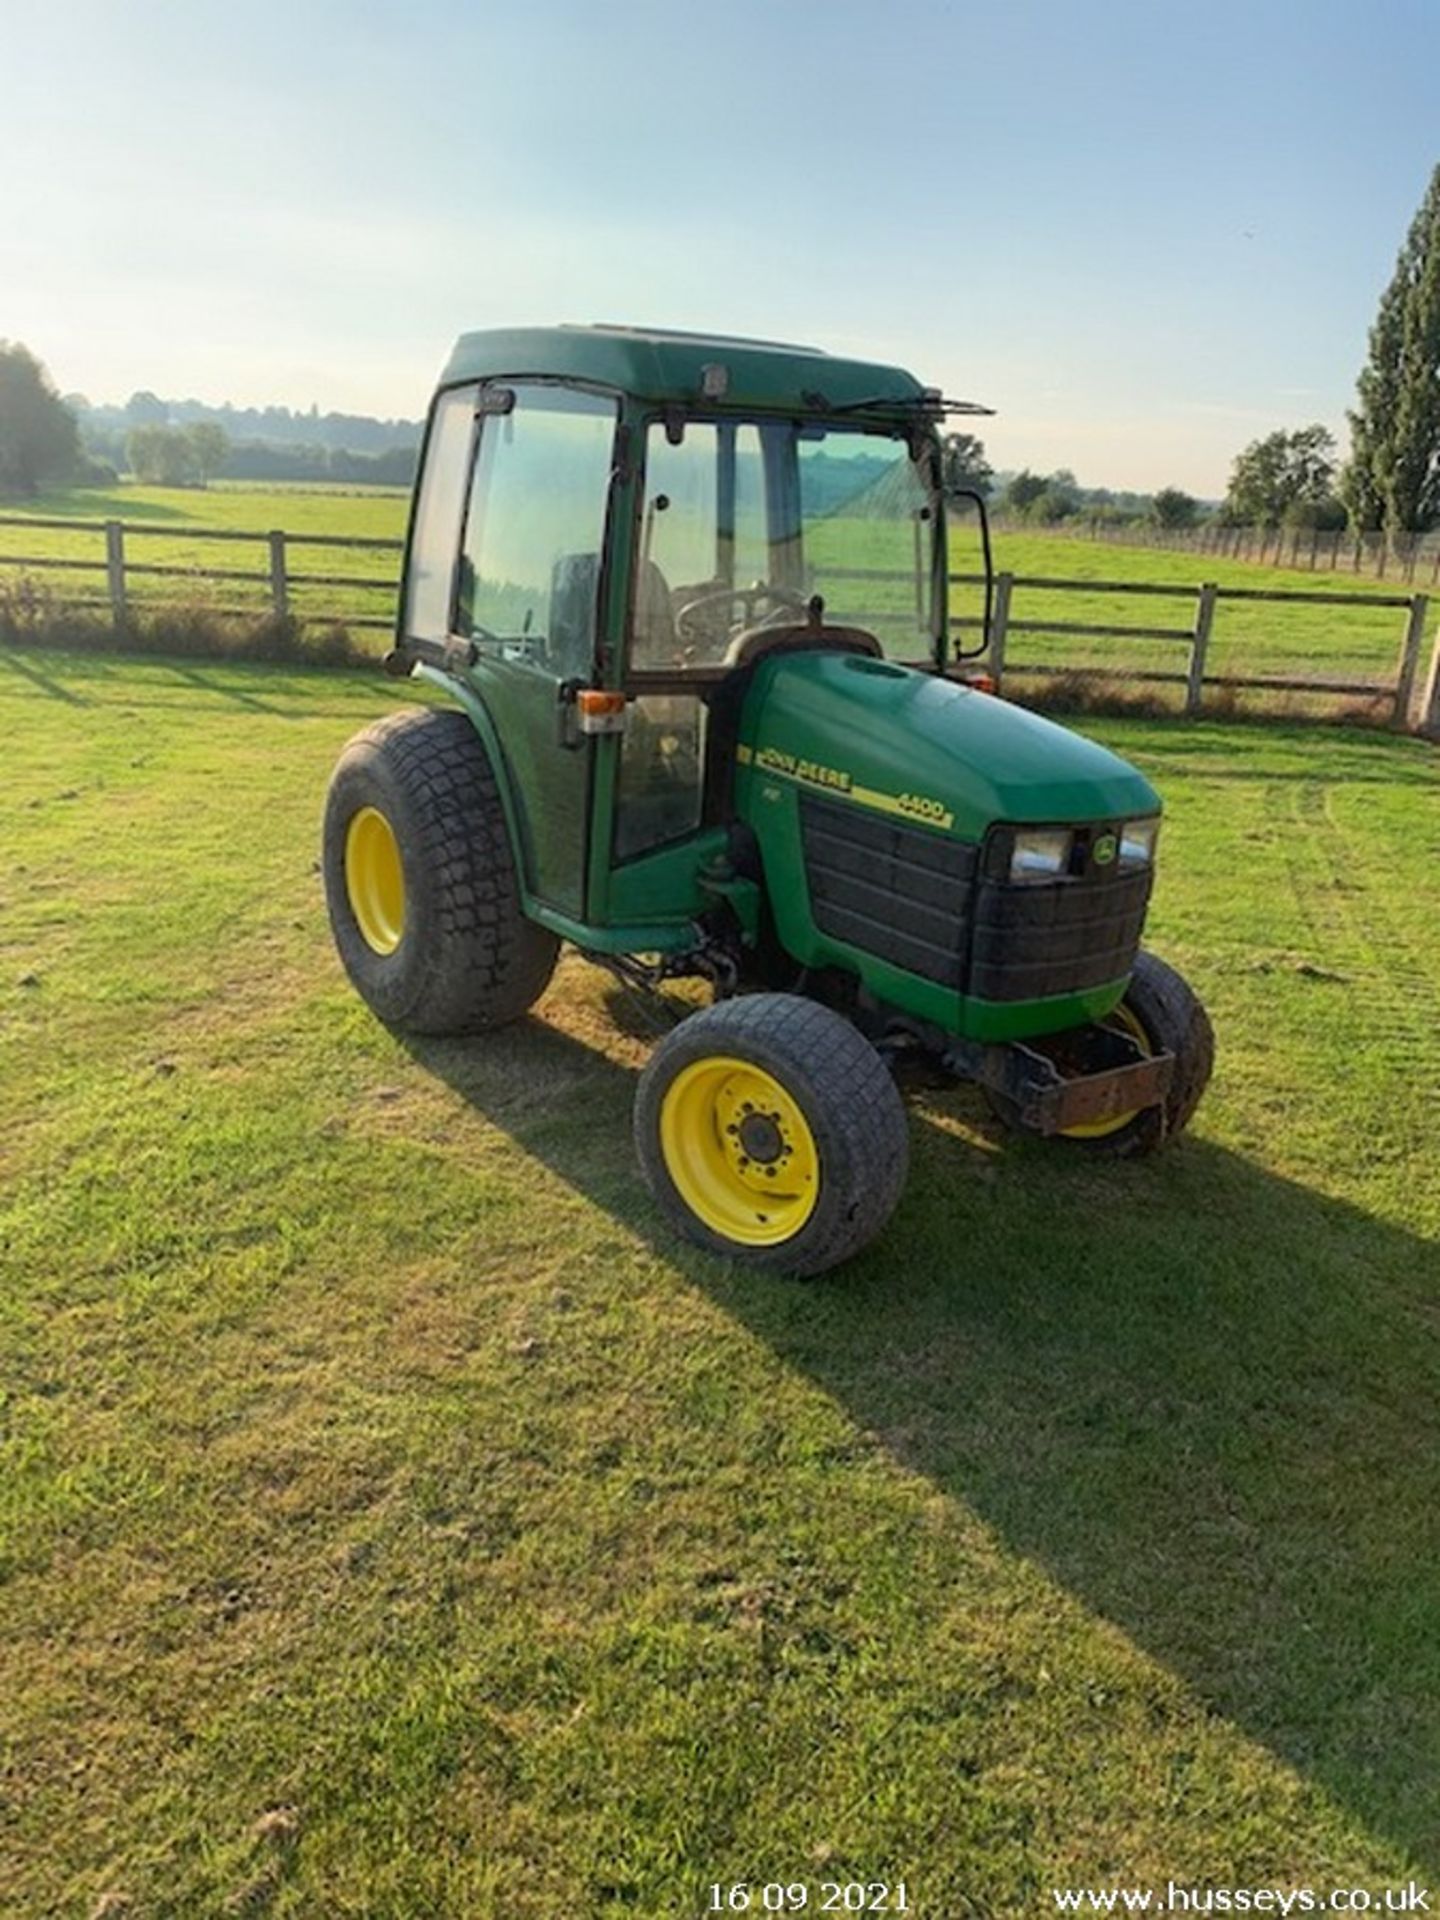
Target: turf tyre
{"type": "Point", "coordinates": [468, 958]}
{"type": "Point", "coordinates": [846, 1094]}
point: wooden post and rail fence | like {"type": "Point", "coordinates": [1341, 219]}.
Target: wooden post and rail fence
{"type": "Point", "coordinates": [1197, 674]}
{"type": "Point", "coordinates": [1409, 700]}
{"type": "Point", "coordinates": [275, 579]}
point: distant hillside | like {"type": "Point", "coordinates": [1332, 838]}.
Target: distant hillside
{"type": "Point", "coordinates": [265, 443]}
{"type": "Point", "coordinates": [830, 483]}
{"type": "Point", "coordinates": [105, 426]}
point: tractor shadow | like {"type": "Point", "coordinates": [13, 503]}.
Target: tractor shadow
{"type": "Point", "coordinates": [1203, 1398]}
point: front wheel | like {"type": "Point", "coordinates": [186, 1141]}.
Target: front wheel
{"type": "Point", "coordinates": [1161, 1014]}
{"type": "Point", "coordinates": [770, 1130]}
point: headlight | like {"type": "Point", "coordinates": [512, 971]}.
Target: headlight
{"type": "Point", "coordinates": [1137, 842]}
{"type": "Point", "coordinates": [1040, 853]}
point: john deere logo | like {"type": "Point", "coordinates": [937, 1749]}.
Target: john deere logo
{"type": "Point", "coordinates": [1103, 850]}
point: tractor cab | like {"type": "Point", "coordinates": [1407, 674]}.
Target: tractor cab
{"type": "Point", "coordinates": [611, 530]}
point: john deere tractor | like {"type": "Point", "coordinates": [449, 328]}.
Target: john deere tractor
{"type": "Point", "coordinates": [689, 597]}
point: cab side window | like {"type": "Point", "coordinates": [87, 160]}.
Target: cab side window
{"type": "Point", "coordinates": [529, 575]}
{"type": "Point", "coordinates": [430, 577]}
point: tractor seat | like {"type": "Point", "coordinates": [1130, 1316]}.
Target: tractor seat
{"type": "Point", "coordinates": [800, 636]}
{"type": "Point", "coordinates": [574, 584]}
{"type": "Point", "coordinates": [654, 640]}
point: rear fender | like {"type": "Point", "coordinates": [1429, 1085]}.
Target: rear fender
{"type": "Point", "coordinates": [466, 697]}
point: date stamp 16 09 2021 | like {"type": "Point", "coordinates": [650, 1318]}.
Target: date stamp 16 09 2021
{"type": "Point", "coordinates": [816, 1896]}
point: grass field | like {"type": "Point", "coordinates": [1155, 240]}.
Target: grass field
{"type": "Point", "coordinates": [1360, 642]}
{"type": "Point", "coordinates": [182, 517]}
{"type": "Point", "coordinates": [396, 1522]}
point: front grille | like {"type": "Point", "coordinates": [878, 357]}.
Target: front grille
{"type": "Point", "coordinates": [895, 891]}
{"type": "Point", "coordinates": [1035, 939]}
{"type": "Point", "coordinates": [933, 907]}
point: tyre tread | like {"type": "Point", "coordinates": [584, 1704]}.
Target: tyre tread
{"type": "Point", "coordinates": [1171, 1010]}
{"type": "Point", "coordinates": [483, 962]}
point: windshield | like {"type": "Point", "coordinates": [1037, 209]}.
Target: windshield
{"type": "Point", "coordinates": [744, 521]}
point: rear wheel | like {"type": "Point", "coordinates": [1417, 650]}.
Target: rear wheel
{"type": "Point", "coordinates": [420, 881]}
{"type": "Point", "coordinates": [1161, 1014]}
{"type": "Point", "coordinates": [770, 1130]}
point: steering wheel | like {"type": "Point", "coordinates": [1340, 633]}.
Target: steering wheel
{"type": "Point", "coordinates": [783, 597]}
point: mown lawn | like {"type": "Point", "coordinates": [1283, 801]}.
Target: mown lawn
{"type": "Point", "coordinates": [396, 1522]}
{"type": "Point", "coordinates": [1249, 637]}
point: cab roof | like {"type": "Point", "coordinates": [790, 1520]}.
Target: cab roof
{"type": "Point", "coordinates": [669, 368]}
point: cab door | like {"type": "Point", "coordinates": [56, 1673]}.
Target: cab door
{"type": "Point", "coordinates": [527, 595]}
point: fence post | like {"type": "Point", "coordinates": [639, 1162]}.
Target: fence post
{"type": "Point", "coordinates": [1199, 647]}
{"type": "Point", "coordinates": [115, 569]}
{"type": "Point", "coordinates": [1427, 719]}
{"type": "Point", "coordinates": [999, 626]}
{"type": "Point", "coordinates": [279, 594]}
{"type": "Point", "coordinates": [1409, 658]}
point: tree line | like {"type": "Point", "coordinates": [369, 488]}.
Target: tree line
{"type": "Point", "coordinates": [104, 428]}
{"type": "Point", "coordinates": [200, 451]}
{"type": "Point", "coordinates": [1049, 499]}
{"type": "Point", "coordinates": [47, 440]}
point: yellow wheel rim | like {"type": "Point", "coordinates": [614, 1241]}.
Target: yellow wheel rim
{"type": "Point", "coordinates": [375, 880]}
{"type": "Point", "coordinates": [1129, 1023]}
{"type": "Point", "coordinates": [739, 1151]}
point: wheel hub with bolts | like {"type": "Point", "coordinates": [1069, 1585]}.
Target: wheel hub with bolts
{"type": "Point", "coordinates": [740, 1150]}
{"type": "Point", "coordinates": [760, 1132]}
{"type": "Point", "coordinates": [771, 1130]}
{"type": "Point", "coordinates": [759, 1138]}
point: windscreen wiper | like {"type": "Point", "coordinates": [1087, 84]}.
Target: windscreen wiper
{"type": "Point", "coordinates": [931, 402]}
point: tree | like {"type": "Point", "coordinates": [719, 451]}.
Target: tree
{"type": "Point", "coordinates": [964, 465]}
{"type": "Point", "coordinates": [161, 456]}
{"type": "Point", "coordinates": [1172, 508]}
{"type": "Point", "coordinates": [1326, 513]}
{"type": "Point", "coordinates": [1279, 477]}
{"type": "Point", "coordinates": [1043, 497]}
{"type": "Point", "coordinates": [1393, 479]}
{"type": "Point", "coordinates": [1024, 490]}
{"type": "Point", "coordinates": [39, 437]}
{"type": "Point", "coordinates": [1058, 500]}
{"type": "Point", "coordinates": [143, 409]}
{"type": "Point", "coordinates": [209, 446]}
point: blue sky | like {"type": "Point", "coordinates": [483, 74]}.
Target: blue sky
{"type": "Point", "coordinates": [1145, 233]}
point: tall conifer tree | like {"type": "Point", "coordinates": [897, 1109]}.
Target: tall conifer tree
{"type": "Point", "coordinates": [1393, 479]}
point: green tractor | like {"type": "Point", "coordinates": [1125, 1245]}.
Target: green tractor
{"type": "Point", "coordinates": [689, 597]}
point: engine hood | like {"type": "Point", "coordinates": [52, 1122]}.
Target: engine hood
{"type": "Point", "coordinates": [914, 745]}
